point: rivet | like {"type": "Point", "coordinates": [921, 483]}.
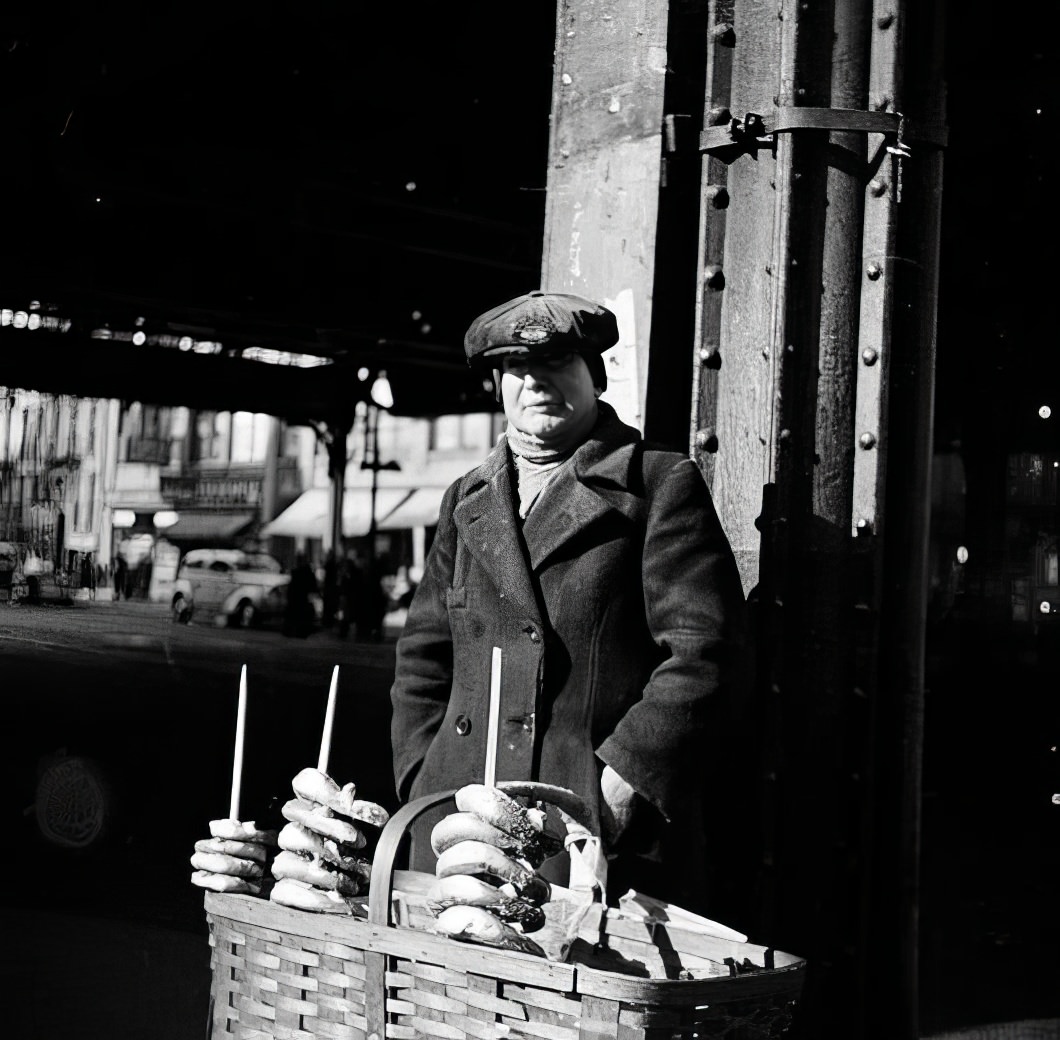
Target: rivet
{"type": "Point", "coordinates": [717, 196]}
{"type": "Point", "coordinates": [707, 440]}
{"type": "Point", "coordinates": [885, 21]}
{"type": "Point", "coordinates": [878, 187]}
{"type": "Point", "coordinates": [785, 436]}
{"type": "Point", "coordinates": [710, 357]}
{"type": "Point", "coordinates": [801, 91]}
{"type": "Point", "coordinates": [724, 33]}
{"type": "Point", "coordinates": [713, 277]}
{"type": "Point", "coordinates": [867, 440]}
{"type": "Point", "coordinates": [873, 271]}
{"type": "Point", "coordinates": [790, 348]}
{"type": "Point", "coordinates": [869, 356]}
{"type": "Point", "coordinates": [718, 116]}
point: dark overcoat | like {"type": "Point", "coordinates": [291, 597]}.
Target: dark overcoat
{"type": "Point", "coordinates": [617, 606]}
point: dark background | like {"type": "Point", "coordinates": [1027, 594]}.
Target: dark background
{"type": "Point", "coordinates": [318, 177]}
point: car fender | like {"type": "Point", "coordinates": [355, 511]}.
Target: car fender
{"type": "Point", "coordinates": [254, 591]}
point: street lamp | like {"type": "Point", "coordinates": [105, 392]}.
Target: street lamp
{"type": "Point", "coordinates": [382, 398]}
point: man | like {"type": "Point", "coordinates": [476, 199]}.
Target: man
{"type": "Point", "coordinates": [597, 564]}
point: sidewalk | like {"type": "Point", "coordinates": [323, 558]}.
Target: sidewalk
{"type": "Point", "coordinates": [93, 979]}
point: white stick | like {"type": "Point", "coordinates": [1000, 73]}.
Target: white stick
{"type": "Point", "coordinates": [494, 719]}
{"type": "Point", "coordinates": [329, 722]}
{"type": "Point", "coordinates": [237, 758]}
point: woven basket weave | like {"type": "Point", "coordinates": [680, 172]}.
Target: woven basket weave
{"type": "Point", "coordinates": [285, 974]}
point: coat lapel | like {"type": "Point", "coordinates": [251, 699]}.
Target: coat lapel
{"type": "Point", "coordinates": [485, 517]}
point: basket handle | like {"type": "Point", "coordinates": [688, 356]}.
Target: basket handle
{"type": "Point", "coordinates": [381, 888]}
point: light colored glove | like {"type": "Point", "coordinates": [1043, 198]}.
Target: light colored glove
{"type": "Point", "coordinates": [617, 805]}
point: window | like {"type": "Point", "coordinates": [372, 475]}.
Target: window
{"type": "Point", "coordinates": [250, 436]}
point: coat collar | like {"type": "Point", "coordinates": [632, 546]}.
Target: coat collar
{"type": "Point", "coordinates": [596, 480]}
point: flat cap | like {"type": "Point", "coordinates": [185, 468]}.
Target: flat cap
{"type": "Point", "coordinates": [540, 323]}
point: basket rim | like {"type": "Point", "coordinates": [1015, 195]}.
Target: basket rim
{"type": "Point", "coordinates": [508, 965]}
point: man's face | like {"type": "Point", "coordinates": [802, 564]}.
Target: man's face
{"type": "Point", "coordinates": [549, 395]}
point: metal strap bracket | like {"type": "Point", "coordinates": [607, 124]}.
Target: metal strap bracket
{"type": "Point", "coordinates": [736, 137]}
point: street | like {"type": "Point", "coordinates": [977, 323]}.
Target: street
{"type": "Point", "coordinates": [153, 704]}
{"type": "Point", "coordinates": [112, 943]}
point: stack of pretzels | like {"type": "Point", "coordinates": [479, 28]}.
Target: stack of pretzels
{"type": "Point", "coordinates": [233, 858]}
{"type": "Point", "coordinates": [488, 889]}
{"type": "Point", "coordinates": [318, 867]}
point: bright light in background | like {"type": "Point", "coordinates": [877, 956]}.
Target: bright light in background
{"type": "Point", "coordinates": [139, 338]}
{"type": "Point", "coordinates": [165, 518]}
{"type": "Point", "coordinates": [381, 392]}
{"type": "Point", "coordinates": [1045, 411]}
{"type": "Point", "coordinates": [283, 357]}
{"type": "Point", "coordinates": [1045, 606]}
{"type": "Point", "coordinates": [962, 554]}
{"type": "Point", "coordinates": [123, 518]}
{"type": "Point", "coordinates": [363, 374]}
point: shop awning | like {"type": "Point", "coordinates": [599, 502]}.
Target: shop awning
{"type": "Point", "coordinates": [420, 509]}
{"type": "Point", "coordinates": [307, 515]}
{"type": "Point", "coordinates": [208, 526]}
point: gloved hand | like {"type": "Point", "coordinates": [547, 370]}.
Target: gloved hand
{"type": "Point", "coordinates": [617, 806]}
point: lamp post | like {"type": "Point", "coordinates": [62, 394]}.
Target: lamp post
{"type": "Point", "coordinates": [382, 398]}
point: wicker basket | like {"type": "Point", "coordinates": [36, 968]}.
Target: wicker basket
{"type": "Point", "coordinates": [285, 974]}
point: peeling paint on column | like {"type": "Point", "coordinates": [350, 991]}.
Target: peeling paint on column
{"type": "Point", "coordinates": [623, 383]}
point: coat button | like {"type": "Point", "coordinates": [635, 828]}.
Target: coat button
{"type": "Point", "coordinates": [463, 725]}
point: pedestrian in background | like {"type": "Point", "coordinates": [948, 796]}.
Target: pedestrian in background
{"type": "Point", "coordinates": [121, 577]}
{"type": "Point", "coordinates": [351, 592]}
{"type": "Point", "coordinates": [298, 614]}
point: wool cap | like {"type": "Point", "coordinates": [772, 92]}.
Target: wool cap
{"type": "Point", "coordinates": [540, 323]}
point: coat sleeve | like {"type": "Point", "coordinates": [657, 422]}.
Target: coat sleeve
{"type": "Point", "coordinates": [424, 666]}
{"type": "Point", "coordinates": [694, 607]}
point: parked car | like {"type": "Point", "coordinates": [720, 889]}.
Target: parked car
{"type": "Point", "coordinates": [229, 587]}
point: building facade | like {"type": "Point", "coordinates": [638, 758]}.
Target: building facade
{"type": "Point", "coordinates": [88, 482]}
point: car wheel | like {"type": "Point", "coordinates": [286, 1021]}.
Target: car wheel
{"type": "Point", "coordinates": [180, 609]}
{"type": "Point", "coordinates": [74, 806]}
{"type": "Point", "coordinates": [245, 614]}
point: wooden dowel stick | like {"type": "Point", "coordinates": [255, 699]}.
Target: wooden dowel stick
{"type": "Point", "coordinates": [329, 723]}
{"type": "Point", "coordinates": [237, 757]}
{"type": "Point", "coordinates": [493, 727]}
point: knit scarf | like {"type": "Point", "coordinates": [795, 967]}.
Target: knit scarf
{"type": "Point", "coordinates": [534, 465]}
